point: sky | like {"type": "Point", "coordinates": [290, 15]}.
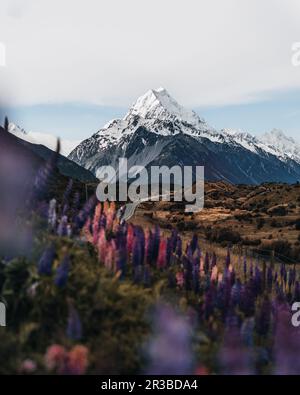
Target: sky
{"type": "Point", "coordinates": [73, 65]}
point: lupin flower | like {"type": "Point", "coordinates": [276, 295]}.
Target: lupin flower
{"type": "Point", "coordinates": [247, 332]}
{"type": "Point", "coordinates": [102, 245]}
{"type": "Point", "coordinates": [257, 281]}
{"type": "Point", "coordinates": [236, 293]}
{"type": "Point", "coordinates": [62, 229]}
{"type": "Point", "coordinates": [234, 358]}
{"type": "Point", "coordinates": [168, 251]}
{"type": "Point", "coordinates": [209, 299]}
{"type": "Point", "coordinates": [170, 329]}
{"type": "Point", "coordinates": [245, 267]}
{"type": "Point", "coordinates": [62, 272]}
{"type": "Point", "coordinates": [46, 261]}
{"type": "Point", "coordinates": [111, 212]}
{"type": "Point", "coordinates": [194, 243]}
{"type": "Point", "coordinates": [247, 304]}
{"type": "Point", "coordinates": [74, 328]}
{"type": "Point", "coordinates": [130, 238]}
{"type": "Point", "coordinates": [188, 273]}
{"type": "Point", "coordinates": [86, 211]}
{"type": "Point", "coordinates": [162, 254]}
{"type": "Point", "coordinates": [78, 360]}
{"type": "Point", "coordinates": [173, 239]}
{"type": "Point", "coordinates": [67, 192]}
{"type": "Point", "coordinates": [28, 366]}
{"type": "Point", "coordinates": [137, 252]}
{"type": "Point", "coordinates": [52, 214]}
{"type": "Point", "coordinates": [179, 247]}
{"type": "Point", "coordinates": [56, 358]}
{"type": "Point", "coordinates": [96, 222]}
{"type": "Point", "coordinates": [214, 274]}
{"type": "Point", "coordinates": [148, 246]}
{"type": "Point", "coordinates": [180, 279]}
{"type": "Point", "coordinates": [263, 317]}
{"type": "Point", "coordinates": [109, 259]}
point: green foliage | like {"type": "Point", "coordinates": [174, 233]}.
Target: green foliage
{"type": "Point", "coordinates": [112, 312]}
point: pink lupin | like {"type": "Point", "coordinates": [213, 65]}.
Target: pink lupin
{"type": "Point", "coordinates": [102, 245]}
{"type": "Point", "coordinates": [86, 231]}
{"type": "Point", "coordinates": [130, 238]}
{"type": "Point", "coordinates": [214, 274]}
{"type": "Point", "coordinates": [162, 253]}
{"type": "Point", "coordinates": [109, 259]}
{"type": "Point", "coordinates": [96, 221]}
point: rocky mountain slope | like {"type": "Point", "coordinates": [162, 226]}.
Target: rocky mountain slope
{"type": "Point", "coordinates": [159, 131]}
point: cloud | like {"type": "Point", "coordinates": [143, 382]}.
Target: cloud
{"type": "Point", "coordinates": [208, 52]}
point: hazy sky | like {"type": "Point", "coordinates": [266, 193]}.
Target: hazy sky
{"type": "Point", "coordinates": [70, 63]}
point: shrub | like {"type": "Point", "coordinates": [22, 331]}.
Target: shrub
{"type": "Point", "coordinates": [223, 235]}
{"type": "Point", "coordinates": [260, 223]}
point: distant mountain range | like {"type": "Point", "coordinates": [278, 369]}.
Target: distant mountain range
{"type": "Point", "coordinates": [38, 154]}
{"type": "Point", "coordinates": [47, 140]}
{"type": "Point", "coordinates": [159, 131]}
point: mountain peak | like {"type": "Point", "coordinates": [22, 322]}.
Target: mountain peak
{"type": "Point", "coordinates": [158, 104]}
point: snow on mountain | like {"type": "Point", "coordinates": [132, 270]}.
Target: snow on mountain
{"type": "Point", "coordinates": [158, 104]}
{"type": "Point", "coordinates": [285, 146]}
{"type": "Point", "coordinates": [157, 129]}
{"type": "Point", "coordinates": [157, 111]}
{"type": "Point", "coordinates": [47, 140]}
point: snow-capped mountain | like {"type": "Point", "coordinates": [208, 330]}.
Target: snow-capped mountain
{"type": "Point", "coordinates": [286, 146]}
{"type": "Point", "coordinates": [47, 140]}
{"type": "Point", "coordinates": [157, 130]}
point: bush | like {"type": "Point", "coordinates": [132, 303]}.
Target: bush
{"type": "Point", "coordinates": [251, 242]}
{"type": "Point", "coordinates": [260, 223]}
{"type": "Point", "coordinates": [278, 210]}
{"type": "Point", "coordinates": [223, 235]}
{"type": "Point", "coordinates": [297, 224]}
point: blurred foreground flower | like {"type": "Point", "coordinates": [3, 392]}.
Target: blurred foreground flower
{"type": "Point", "coordinates": [62, 272]}
{"type": "Point", "coordinates": [78, 360]}
{"type": "Point", "coordinates": [170, 350]}
{"type": "Point", "coordinates": [287, 343]}
{"type": "Point", "coordinates": [59, 360]}
{"type": "Point", "coordinates": [28, 366]}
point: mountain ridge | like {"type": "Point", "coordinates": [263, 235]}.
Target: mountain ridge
{"type": "Point", "coordinates": [156, 119]}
